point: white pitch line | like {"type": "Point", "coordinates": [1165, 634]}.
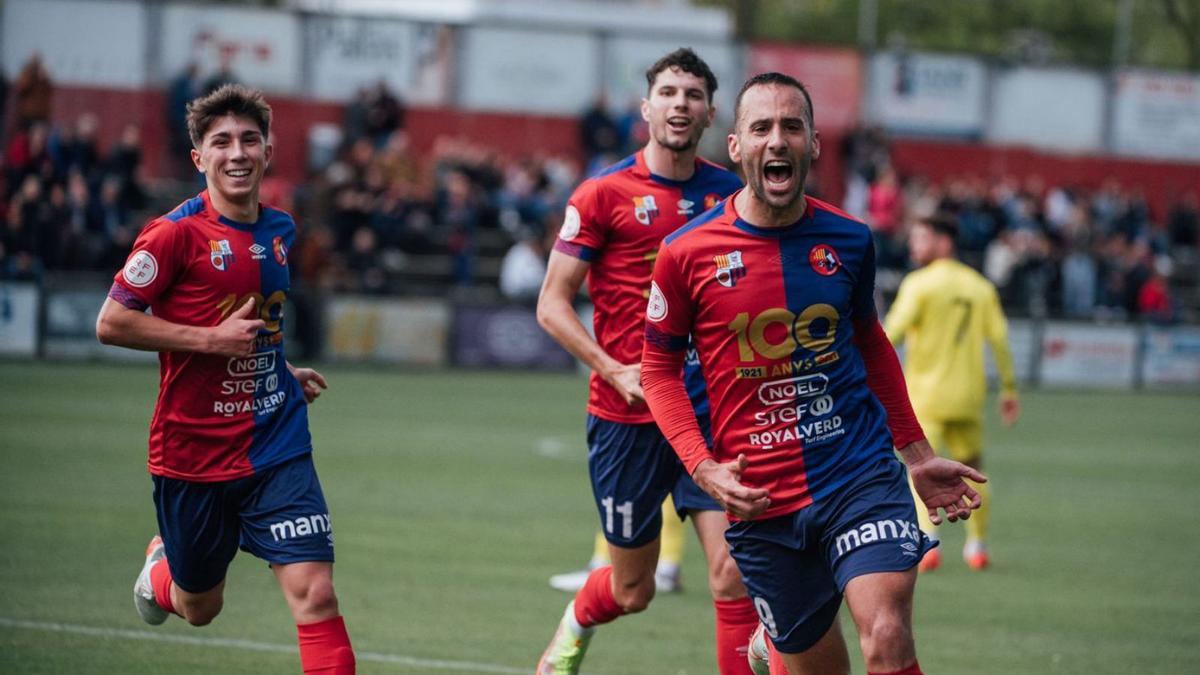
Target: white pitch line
{"type": "Point", "coordinates": [249, 645]}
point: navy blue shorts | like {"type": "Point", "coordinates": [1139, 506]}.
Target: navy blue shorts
{"type": "Point", "coordinates": [797, 565]}
{"type": "Point", "coordinates": [278, 515]}
{"type": "Point", "coordinates": [633, 469]}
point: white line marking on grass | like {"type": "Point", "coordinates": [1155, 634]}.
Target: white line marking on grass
{"type": "Point", "coordinates": [556, 448]}
{"type": "Point", "coordinates": [249, 645]}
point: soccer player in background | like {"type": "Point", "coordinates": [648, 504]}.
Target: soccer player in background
{"type": "Point", "coordinates": [610, 236]}
{"type": "Point", "coordinates": [943, 313]}
{"type": "Point", "coordinates": [776, 291]}
{"type": "Point", "coordinates": [230, 451]}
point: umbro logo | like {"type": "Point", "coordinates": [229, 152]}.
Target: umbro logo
{"type": "Point", "coordinates": [258, 251]}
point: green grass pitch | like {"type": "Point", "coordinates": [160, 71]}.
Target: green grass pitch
{"type": "Point", "coordinates": [454, 495]}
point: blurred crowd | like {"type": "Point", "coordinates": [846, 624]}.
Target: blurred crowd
{"type": "Point", "coordinates": [377, 214]}
{"type": "Point", "coordinates": [1051, 249]}
{"type": "Point", "coordinates": [67, 196]}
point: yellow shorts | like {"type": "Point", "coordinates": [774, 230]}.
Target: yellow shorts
{"type": "Point", "coordinates": [960, 440]}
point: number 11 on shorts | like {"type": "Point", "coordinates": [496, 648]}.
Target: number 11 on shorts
{"type": "Point", "coordinates": [625, 510]}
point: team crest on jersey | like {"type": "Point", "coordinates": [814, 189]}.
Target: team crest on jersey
{"type": "Point", "coordinates": [729, 268]}
{"type": "Point", "coordinates": [644, 209]}
{"type": "Point", "coordinates": [220, 254]}
{"type": "Point", "coordinates": [280, 250]}
{"type": "Point", "coordinates": [824, 260]}
{"type": "Point", "coordinates": [710, 200]}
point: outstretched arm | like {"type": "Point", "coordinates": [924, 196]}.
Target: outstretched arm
{"type": "Point", "coordinates": [939, 482]}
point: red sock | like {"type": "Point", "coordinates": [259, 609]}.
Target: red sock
{"type": "Point", "coordinates": [736, 621]}
{"type": "Point", "coordinates": [594, 603]}
{"type": "Point", "coordinates": [325, 648]}
{"type": "Point", "coordinates": [914, 669]}
{"type": "Point", "coordinates": [160, 581]}
{"type": "Point", "coordinates": [775, 661]}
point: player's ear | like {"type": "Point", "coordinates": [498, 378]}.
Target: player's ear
{"type": "Point", "coordinates": [735, 150]}
{"type": "Point", "coordinates": [645, 110]}
{"type": "Point", "coordinates": [196, 160]}
{"type": "Point", "coordinates": [712, 115]}
{"type": "Point", "coordinates": [268, 152]}
{"type": "Point", "coordinates": [816, 144]}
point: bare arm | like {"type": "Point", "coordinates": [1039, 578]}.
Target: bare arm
{"type": "Point", "coordinates": [555, 313]}
{"type": "Point", "coordinates": [940, 482]}
{"type": "Point", "coordinates": [124, 327]}
{"type": "Point", "coordinates": [310, 380]}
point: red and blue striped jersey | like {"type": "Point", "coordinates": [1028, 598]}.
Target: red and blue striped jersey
{"type": "Point", "coordinates": [775, 315]}
{"type": "Point", "coordinates": [218, 418]}
{"type": "Point", "coordinates": [616, 221]}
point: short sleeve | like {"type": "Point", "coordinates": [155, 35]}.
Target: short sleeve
{"type": "Point", "coordinates": [585, 227]}
{"type": "Point", "coordinates": [864, 284]}
{"type": "Point", "coordinates": [151, 267]}
{"type": "Point", "coordinates": [669, 308]}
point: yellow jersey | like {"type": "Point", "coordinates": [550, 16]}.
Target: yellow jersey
{"type": "Point", "coordinates": [943, 313]}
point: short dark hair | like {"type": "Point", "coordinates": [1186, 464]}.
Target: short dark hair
{"type": "Point", "coordinates": [774, 78]}
{"type": "Point", "coordinates": [943, 223]}
{"type": "Point", "coordinates": [686, 60]}
{"type": "Point", "coordinates": [230, 99]}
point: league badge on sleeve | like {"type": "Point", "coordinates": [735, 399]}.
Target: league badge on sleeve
{"type": "Point", "coordinates": [141, 270]}
{"type": "Point", "coordinates": [729, 268]}
{"type": "Point", "coordinates": [824, 260]}
{"type": "Point", "coordinates": [571, 224]}
{"type": "Point", "coordinates": [656, 308]}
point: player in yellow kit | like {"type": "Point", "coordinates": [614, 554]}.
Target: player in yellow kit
{"type": "Point", "coordinates": [943, 313]}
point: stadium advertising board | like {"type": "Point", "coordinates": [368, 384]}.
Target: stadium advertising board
{"type": "Point", "coordinates": [505, 337]}
{"type": "Point", "coordinates": [93, 44]}
{"type": "Point", "coordinates": [18, 319]}
{"type": "Point", "coordinates": [511, 69]}
{"type": "Point", "coordinates": [1089, 356]}
{"type": "Point", "coordinates": [833, 77]}
{"type": "Point", "coordinates": [1157, 114]}
{"type": "Point", "coordinates": [928, 94]}
{"type": "Point", "coordinates": [262, 47]}
{"type": "Point", "coordinates": [1172, 357]}
{"type": "Point", "coordinates": [1050, 108]}
{"type": "Point", "coordinates": [382, 330]}
{"type": "Point", "coordinates": [70, 330]}
{"type": "Point", "coordinates": [627, 58]}
{"type": "Point", "coordinates": [347, 53]}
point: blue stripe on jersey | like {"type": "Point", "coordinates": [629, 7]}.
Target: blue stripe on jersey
{"type": "Point", "coordinates": [280, 432]}
{"type": "Point", "coordinates": [861, 436]}
{"type": "Point", "coordinates": [619, 166]}
{"type": "Point", "coordinates": [189, 208]}
{"type": "Point", "coordinates": [665, 341]}
{"type": "Point", "coordinates": [584, 253]}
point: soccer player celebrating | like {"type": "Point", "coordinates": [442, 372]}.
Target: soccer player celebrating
{"type": "Point", "coordinates": [611, 233]}
{"type": "Point", "coordinates": [230, 451]}
{"type": "Point", "coordinates": [775, 290]}
{"type": "Point", "coordinates": [945, 311]}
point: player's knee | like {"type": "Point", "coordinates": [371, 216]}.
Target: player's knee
{"type": "Point", "coordinates": [725, 581]}
{"type": "Point", "coordinates": [887, 640]}
{"type": "Point", "coordinates": [636, 597]}
{"type": "Point", "coordinates": [202, 611]}
{"type": "Point", "coordinates": [316, 597]}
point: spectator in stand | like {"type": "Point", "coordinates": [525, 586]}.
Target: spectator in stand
{"type": "Point", "coordinates": [124, 163]}
{"type": "Point", "coordinates": [1154, 301]}
{"type": "Point", "coordinates": [1184, 221]}
{"type": "Point", "coordinates": [182, 89]}
{"type": "Point", "coordinates": [598, 134]}
{"type": "Point", "coordinates": [224, 75]}
{"type": "Point", "coordinates": [77, 149]}
{"type": "Point", "coordinates": [524, 266]}
{"type": "Point", "coordinates": [385, 113]}
{"type": "Point", "coordinates": [885, 207]}
{"type": "Point", "coordinates": [1079, 273]}
{"type": "Point", "coordinates": [458, 213]}
{"type": "Point", "coordinates": [32, 92]}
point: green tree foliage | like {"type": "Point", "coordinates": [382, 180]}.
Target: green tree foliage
{"type": "Point", "coordinates": [1163, 33]}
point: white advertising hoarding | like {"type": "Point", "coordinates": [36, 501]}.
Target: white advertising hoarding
{"type": "Point", "coordinates": [1172, 357]}
{"type": "Point", "coordinates": [1089, 356]}
{"type": "Point", "coordinates": [93, 44]}
{"type": "Point", "coordinates": [1059, 109]}
{"type": "Point", "coordinates": [510, 69]}
{"type": "Point", "coordinates": [928, 94]}
{"type": "Point", "coordinates": [1157, 115]}
{"type": "Point", "coordinates": [352, 52]}
{"type": "Point", "coordinates": [262, 47]}
{"type": "Point", "coordinates": [18, 319]}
